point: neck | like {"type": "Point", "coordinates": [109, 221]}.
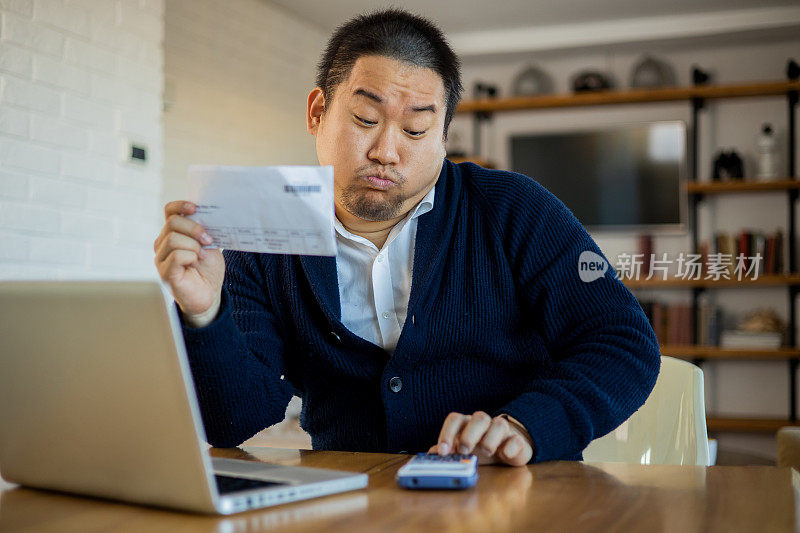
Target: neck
{"type": "Point", "coordinates": [375, 232]}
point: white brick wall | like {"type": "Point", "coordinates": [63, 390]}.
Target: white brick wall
{"type": "Point", "coordinates": [77, 79]}
{"type": "Point", "coordinates": [237, 76]}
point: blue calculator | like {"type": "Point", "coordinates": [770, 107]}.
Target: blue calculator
{"type": "Point", "coordinates": [430, 471]}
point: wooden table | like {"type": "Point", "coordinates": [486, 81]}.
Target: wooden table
{"type": "Point", "coordinates": [559, 496]}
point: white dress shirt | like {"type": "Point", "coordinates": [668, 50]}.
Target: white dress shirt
{"type": "Point", "coordinates": [374, 285]}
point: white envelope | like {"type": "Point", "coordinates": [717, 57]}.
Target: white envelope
{"type": "Point", "coordinates": [276, 210]}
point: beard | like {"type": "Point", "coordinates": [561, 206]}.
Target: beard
{"type": "Point", "coordinates": [371, 204]}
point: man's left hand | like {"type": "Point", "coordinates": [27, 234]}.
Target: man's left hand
{"type": "Point", "coordinates": [493, 440]}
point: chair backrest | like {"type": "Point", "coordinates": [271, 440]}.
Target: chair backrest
{"type": "Point", "coordinates": [670, 428]}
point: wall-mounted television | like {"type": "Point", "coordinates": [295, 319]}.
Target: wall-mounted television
{"type": "Point", "coordinates": [624, 177]}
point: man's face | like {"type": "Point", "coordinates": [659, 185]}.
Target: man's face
{"type": "Point", "coordinates": [383, 133]}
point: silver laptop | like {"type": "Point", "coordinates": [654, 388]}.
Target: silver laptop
{"type": "Point", "coordinates": [96, 398]}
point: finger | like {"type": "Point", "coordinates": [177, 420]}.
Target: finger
{"type": "Point", "coordinates": [181, 224]}
{"type": "Point", "coordinates": [450, 429]}
{"type": "Point", "coordinates": [177, 241]}
{"type": "Point", "coordinates": [157, 243]}
{"type": "Point", "coordinates": [189, 227]}
{"type": "Point", "coordinates": [498, 432]}
{"type": "Point", "coordinates": [515, 451]}
{"type": "Point", "coordinates": [484, 459]}
{"type": "Point", "coordinates": [178, 207]}
{"type": "Point", "coordinates": [473, 432]}
{"type": "Point", "coordinates": [434, 449]}
{"type": "Point", "coordinates": [175, 263]}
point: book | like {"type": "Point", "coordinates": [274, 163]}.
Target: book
{"type": "Point", "coordinates": [751, 339]}
{"type": "Point", "coordinates": [769, 256]}
{"type": "Point", "coordinates": [750, 244]}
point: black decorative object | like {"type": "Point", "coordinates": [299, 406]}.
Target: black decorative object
{"type": "Point", "coordinates": [592, 80]}
{"type": "Point", "coordinates": [792, 70]}
{"type": "Point", "coordinates": [728, 165]}
{"type": "Point", "coordinates": [700, 77]}
{"type": "Point", "coordinates": [481, 89]}
{"type": "Point", "coordinates": [484, 90]}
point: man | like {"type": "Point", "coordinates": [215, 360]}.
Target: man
{"type": "Point", "coordinates": [453, 318]}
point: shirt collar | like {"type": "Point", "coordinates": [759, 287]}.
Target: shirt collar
{"type": "Point", "coordinates": [426, 204]}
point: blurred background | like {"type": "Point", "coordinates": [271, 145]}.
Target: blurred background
{"type": "Point", "coordinates": [105, 103]}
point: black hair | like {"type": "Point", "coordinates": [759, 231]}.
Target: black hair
{"type": "Point", "coordinates": [397, 34]}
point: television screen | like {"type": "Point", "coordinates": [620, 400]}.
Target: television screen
{"type": "Point", "coordinates": [622, 177]}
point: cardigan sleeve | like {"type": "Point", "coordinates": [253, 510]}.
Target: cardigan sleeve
{"type": "Point", "coordinates": [237, 360]}
{"type": "Point", "coordinates": [603, 354]}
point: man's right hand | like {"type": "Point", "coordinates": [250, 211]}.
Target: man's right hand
{"type": "Point", "coordinates": [193, 274]}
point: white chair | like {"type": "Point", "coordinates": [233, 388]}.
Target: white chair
{"type": "Point", "coordinates": [789, 447]}
{"type": "Point", "coordinates": [669, 429]}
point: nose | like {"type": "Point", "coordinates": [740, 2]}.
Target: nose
{"type": "Point", "coordinates": [384, 148]}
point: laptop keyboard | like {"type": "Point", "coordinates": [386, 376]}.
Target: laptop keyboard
{"type": "Point", "coordinates": [228, 484]}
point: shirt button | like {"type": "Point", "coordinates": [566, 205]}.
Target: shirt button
{"type": "Point", "coordinates": [395, 384]}
{"type": "Point", "coordinates": [385, 314]}
{"type": "Point", "coordinates": [380, 259]}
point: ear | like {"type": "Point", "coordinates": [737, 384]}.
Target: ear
{"type": "Point", "coordinates": [314, 110]}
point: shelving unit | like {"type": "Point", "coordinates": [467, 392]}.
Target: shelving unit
{"type": "Point", "coordinates": [697, 96]}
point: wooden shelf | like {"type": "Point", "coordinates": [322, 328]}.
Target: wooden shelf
{"type": "Point", "coordinates": [691, 351]}
{"type": "Point", "coordinates": [633, 96]}
{"type": "Point", "coordinates": [485, 163]}
{"type": "Point", "coordinates": [767, 280]}
{"type": "Point", "coordinates": [747, 425]}
{"type": "Point", "coordinates": [717, 187]}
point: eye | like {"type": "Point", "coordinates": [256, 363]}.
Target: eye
{"type": "Point", "coordinates": [366, 122]}
{"type": "Point", "coordinates": [372, 123]}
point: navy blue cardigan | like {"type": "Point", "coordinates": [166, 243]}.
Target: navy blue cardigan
{"type": "Point", "coordinates": [498, 320]}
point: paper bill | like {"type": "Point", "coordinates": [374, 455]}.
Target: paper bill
{"type": "Point", "coordinates": [276, 210]}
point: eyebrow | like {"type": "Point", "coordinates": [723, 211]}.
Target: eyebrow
{"type": "Point", "coordinates": [378, 99]}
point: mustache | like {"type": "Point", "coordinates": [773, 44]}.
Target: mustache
{"type": "Point", "coordinates": [388, 173]}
